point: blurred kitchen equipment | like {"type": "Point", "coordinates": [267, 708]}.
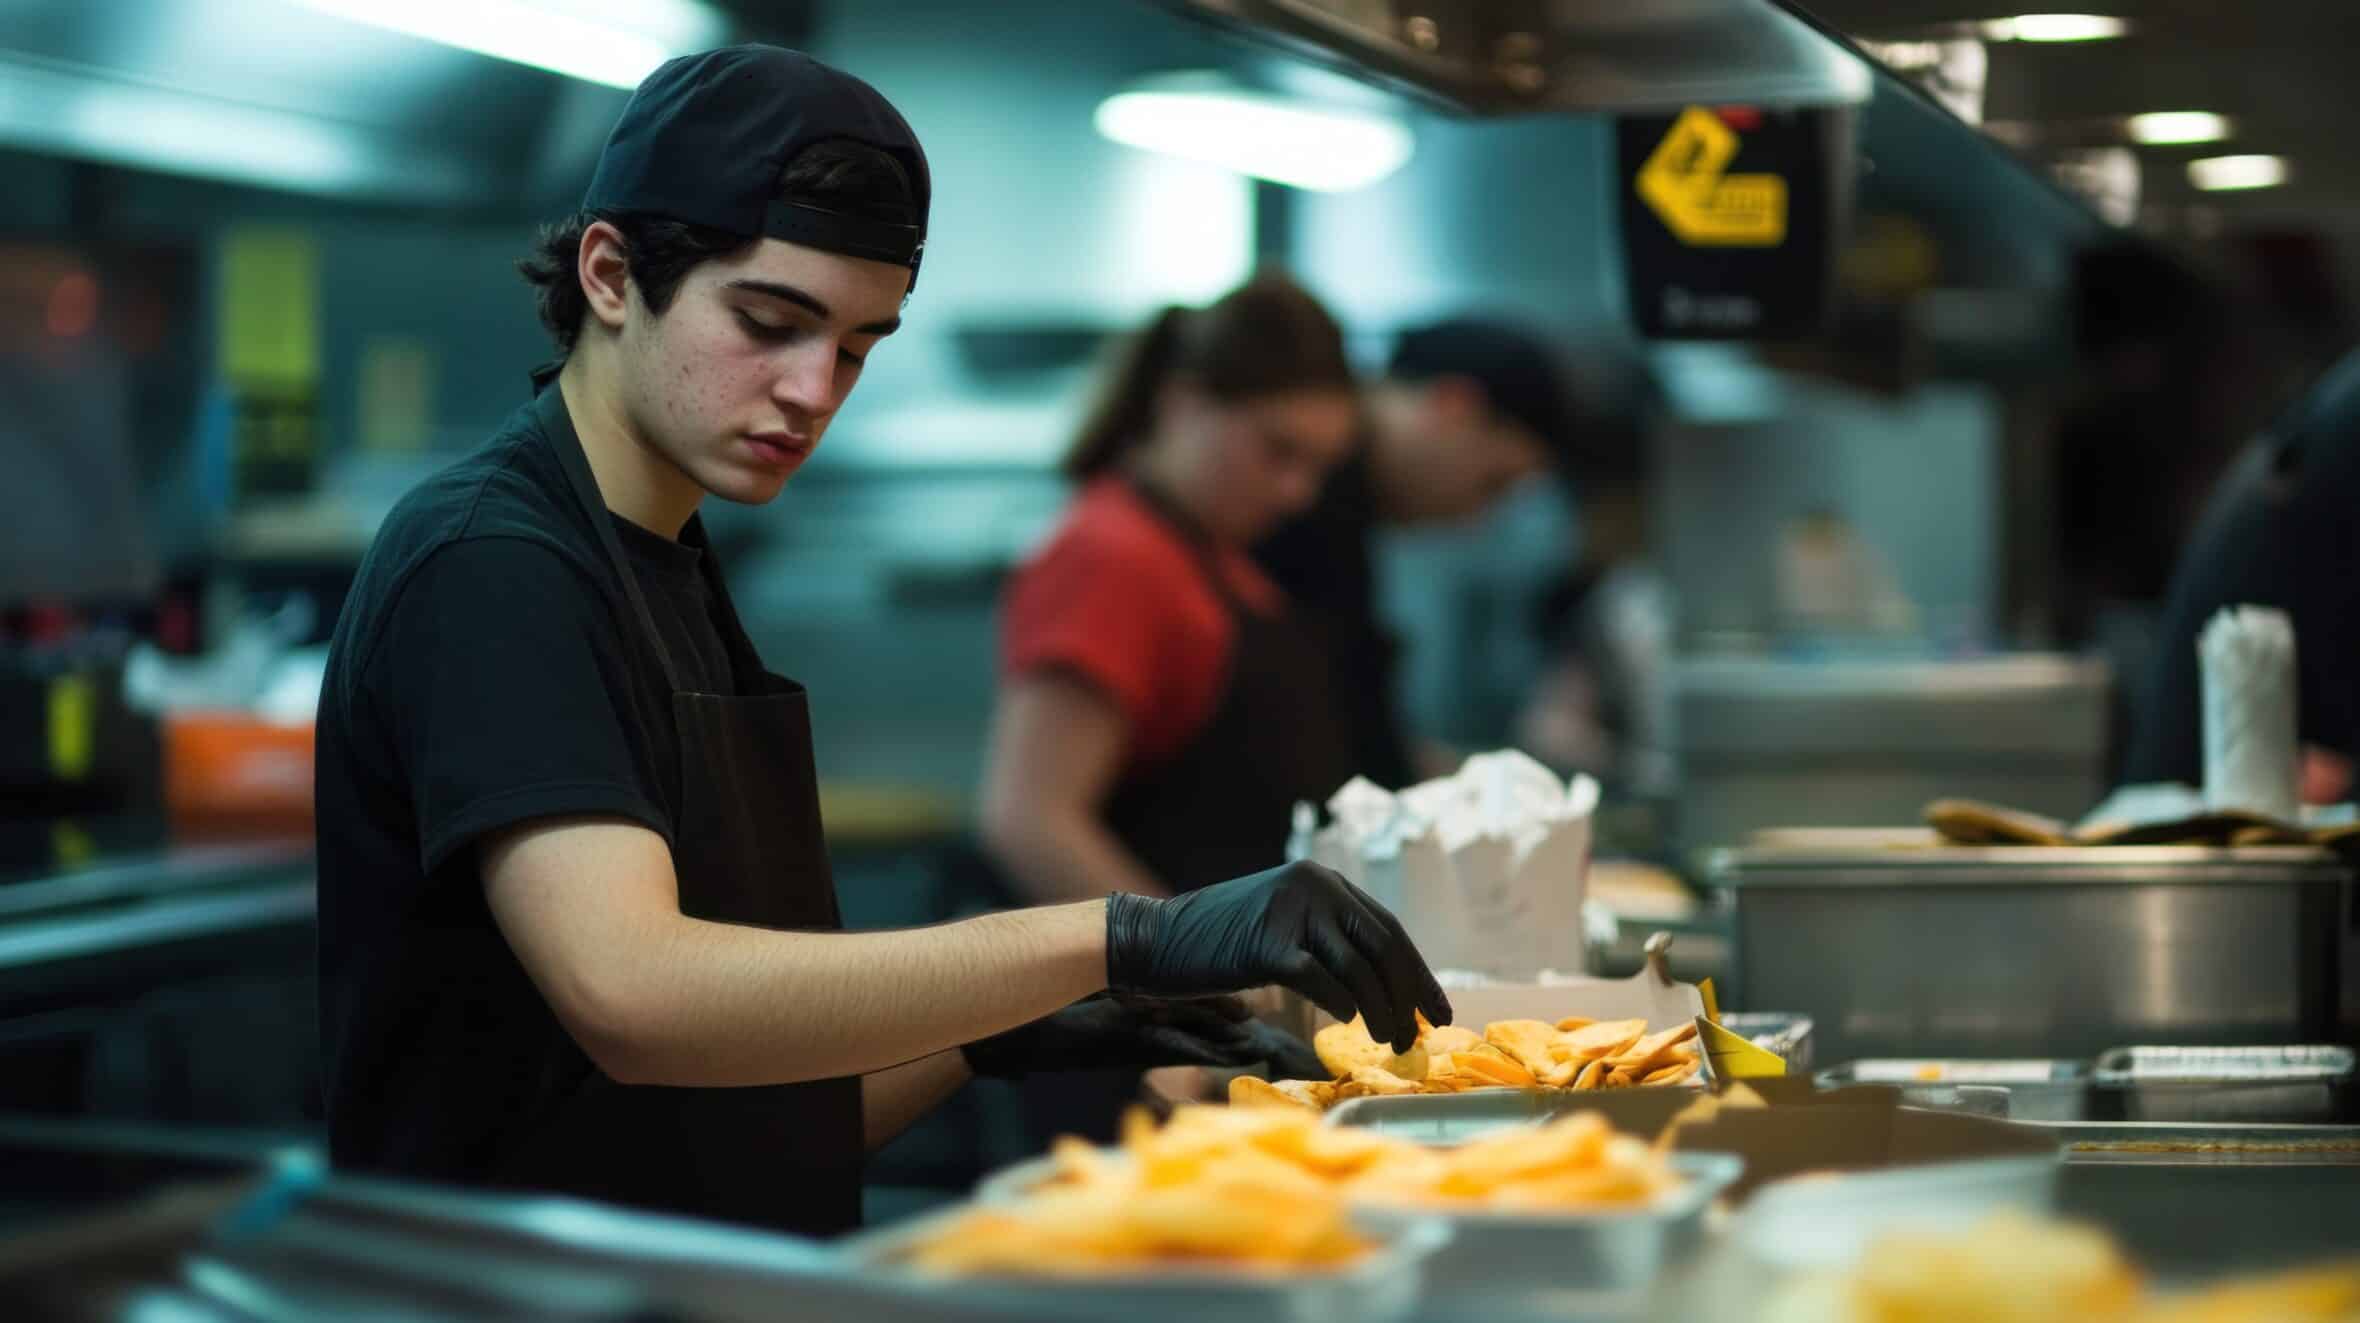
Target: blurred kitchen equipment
{"type": "Point", "coordinates": [2026, 1090]}
{"type": "Point", "coordinates": [71, 742]}
{"type": "Point", "coordinates": [2302, 1084]}
{"type": "Point", "coordinates": [2036, 952]}
{"type": "Point", "coordinates": [1764, 743]}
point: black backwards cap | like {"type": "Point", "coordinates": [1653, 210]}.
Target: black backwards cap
{"type": "Point", "coordinates": [706, 137]}
{"type": "Point", "coordinates": [1520, 377]}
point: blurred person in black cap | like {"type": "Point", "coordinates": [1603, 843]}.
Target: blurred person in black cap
{"type": "Point", "coordinates": [577, 927]}
{"type": "Point", "coordinates": [1467, 409]}
{"type": "Point", "coordinates": [2278, 531]}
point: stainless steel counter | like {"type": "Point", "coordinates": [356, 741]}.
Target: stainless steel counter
{"type": "Point", "coordinates": [139, 899]}
{"type": "Point", "coordinates": [172, 983]}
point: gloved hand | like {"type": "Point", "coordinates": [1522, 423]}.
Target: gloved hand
{"type": "Point", "coordinates": [1111, 1030]}
{"type": "Point", "coordinates": [1301, 926]}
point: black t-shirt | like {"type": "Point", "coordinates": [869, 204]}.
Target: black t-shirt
{"type": "Point", "coordinates": [482, 675]}
{"type": "Point", "coordinates": [2282, 530]}
{"type": "Point", "coordinates": [1324, 561]}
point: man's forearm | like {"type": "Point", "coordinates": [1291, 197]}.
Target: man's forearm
{"type": "Point", "coordinates": [714, 1004]}
{"type": "Point", "coordinates": [890, 1100]}
{"type": "Point", "coordinates": [1067, 857]}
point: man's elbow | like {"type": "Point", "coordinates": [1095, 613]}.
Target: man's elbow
{"type": "Point", "coordinates": [612, 1019]}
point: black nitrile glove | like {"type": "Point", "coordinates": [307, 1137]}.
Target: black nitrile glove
{"type": "Point", "coordinates": [1111, 1031]}
{"type": "Point", "coordinates": [1300, 926]}
{"type": "Point", "coordinates": [1289, 1057]}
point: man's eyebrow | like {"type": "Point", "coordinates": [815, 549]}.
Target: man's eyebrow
{"type": "Point", "coordinates": [804, 300]}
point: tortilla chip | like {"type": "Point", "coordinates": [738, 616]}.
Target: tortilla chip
{"type": "Point", "coordinates": [1654, 1050]}
{"type": "Point", "coordinates": [1610, 1038]}
{"type": "Point", "coordinates": [1252, 1091]}
{"type": "Point", "coordinates": [1490, 1065]}
{"type": "Point", "coordinates": [1319, 1093]}
{"type": "Point", "coordinates": [1671, 1074]}
{"type": "Point", "coordinates": [1564, 1068]}
{"type": "Point", "coordinates": [1528, 1041]}
{"type": "Point", "coordinates": [1448, 1038]}
{"type": "Point", "coordinates": [1573, 1022]}
{"type": "Point", "coordinates": [1373, 1081]}
{"type": "Point", "coordinates": [1592, 1076]}
{"type": "Point", "coordinates": [1344, 1048]}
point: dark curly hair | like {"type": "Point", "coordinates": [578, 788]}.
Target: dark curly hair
{"type": "Point", "coordinates": [838, 174]}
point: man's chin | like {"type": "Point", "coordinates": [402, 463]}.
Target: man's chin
{"type": "Point", "coordinates": [742, 487]}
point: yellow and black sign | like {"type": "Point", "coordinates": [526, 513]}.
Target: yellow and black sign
{"type": "Point", "coordinates": [1729, 219]}
{"type": "Point", "coordinates": [1686, 182]}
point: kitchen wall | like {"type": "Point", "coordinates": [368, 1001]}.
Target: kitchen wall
{"type": "Point", "coordinates": [873, 579]}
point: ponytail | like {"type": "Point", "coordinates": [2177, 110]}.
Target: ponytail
{"type": "Point", "coordinates": [1262, 338]}
{"type": "Point", "coordinates": [1124, 411]}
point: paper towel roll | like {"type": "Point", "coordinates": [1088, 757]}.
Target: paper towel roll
{"type": "Point", "coordinates": [2251, 760]}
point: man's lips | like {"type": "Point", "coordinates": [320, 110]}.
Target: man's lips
{"type": "Point", "coordinates": [779, 449]}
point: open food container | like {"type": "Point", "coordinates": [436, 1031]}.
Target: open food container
{"type": "Point", "coordinates": [1514, 1264]}
{"type": "Point", "coordinates": [1503, 1264]}
{"type": "Point", "coordinates": [1382, 1287]}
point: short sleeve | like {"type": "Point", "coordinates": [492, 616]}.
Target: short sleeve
{"type": "Point", "coordinates": [1084, 608]}
{"type": "Point", "coordinates": [500, 681]}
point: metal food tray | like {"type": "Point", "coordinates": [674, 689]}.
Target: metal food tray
{"type": "Point", "coordinates": [2184, 1144]}
{"type": "Point", "coordinates": [1519, 1265]}
{"type": "Point", "coordinates": [2022, 1089]}
{"type": "Point", "coordinates": [1446, 1119]}
{"type": "Point", "coordinates": [1510, 1265]}
{"type": "Point", "coordinates": [1382, 1288]}
{"type": "Point", "coordinates": [2232, 1085]}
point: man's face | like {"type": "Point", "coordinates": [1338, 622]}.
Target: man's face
{"type": "Point", "coordinates": [1459, 457]}
{"type": "Point", "coordinates": [738, 378]}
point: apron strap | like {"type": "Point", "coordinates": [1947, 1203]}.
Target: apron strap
{"type": "Point", "coordinates": [1193, 536]}
{"type": "Point", "coordinates": [558, 425]}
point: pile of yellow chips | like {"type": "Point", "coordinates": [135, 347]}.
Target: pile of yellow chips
{"type": "Point", "coordinates": [1201, 1192]}
{"type": "Point", "coordinates": [2014, 1268]}
{"type": "Point", "coordinates": [1270, 1188]}
{"type": "Point", "coordinates": [1574, 1053]}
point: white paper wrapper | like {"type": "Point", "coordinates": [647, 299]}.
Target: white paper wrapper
{"type": "Point", "coordinates": [2251, 761]}
{"type": "Point", "coordinates": [1486, 867]}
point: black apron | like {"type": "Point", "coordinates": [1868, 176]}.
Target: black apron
{"type": "Point", "coordinates": [1221, 806]}
{"type": "Point", "coordinates": [747, 848]}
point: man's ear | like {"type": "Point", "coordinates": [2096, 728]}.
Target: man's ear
{"type": "Point", "coordinates": [603, 265]}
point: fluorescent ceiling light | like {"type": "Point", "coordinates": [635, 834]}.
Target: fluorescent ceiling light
{"type": "Point", "coordinates": [2056, 27]}
{"type": "Point", "coordinates": [2165, 128]}
{"type": "Point", "coordinates": [2220, 174]}
{"type": "Point", "coordinates": [154, 128]}
{"type": "Point", "coordinates": [1205, 117]}
{"type": "Point", "coordinates": [598, 41]}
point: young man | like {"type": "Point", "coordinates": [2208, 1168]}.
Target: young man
{"type": "Point", "coordinates": [577, 929]}
{"type": "Point", "coordinates": [1466, 409]}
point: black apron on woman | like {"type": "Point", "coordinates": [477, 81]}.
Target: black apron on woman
{"type": "Point", "coordinates": [747, 848]}
{"type": "Point", "coordinates": [1220, 807]}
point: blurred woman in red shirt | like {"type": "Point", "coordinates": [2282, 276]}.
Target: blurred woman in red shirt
{"type": "Point", "coordinates": [1161, 708]}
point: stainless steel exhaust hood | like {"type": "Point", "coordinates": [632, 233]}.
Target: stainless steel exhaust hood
{"type": "Point", "coordinates": [1499, 57]}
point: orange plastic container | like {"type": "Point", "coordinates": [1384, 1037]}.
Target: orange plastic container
{"type": "Point", "coordinates": [228, 771]}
